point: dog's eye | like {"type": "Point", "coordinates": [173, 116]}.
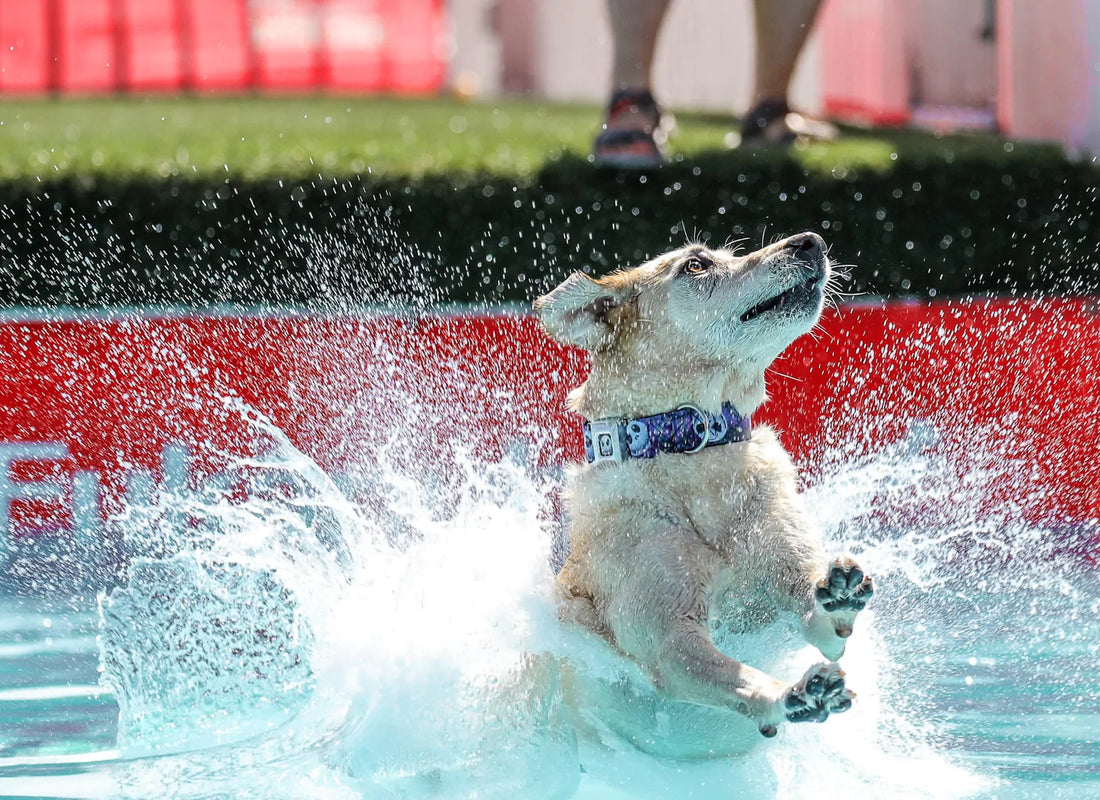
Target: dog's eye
{"type": "Point", "coordinates": [696, 265]}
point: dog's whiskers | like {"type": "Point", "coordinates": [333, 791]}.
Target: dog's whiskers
{"type": "Point", "coordinates": [697, 239]}
{"type": "Point", "coordinates": [818, 331]}
{"type": "Point", "coordinates": [784, 375]}
{"type": "Point", "coordinates": [734, 245]}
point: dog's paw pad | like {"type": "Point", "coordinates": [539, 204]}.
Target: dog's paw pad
{"type": "Point", "coordinates": [845, 588]}
{"type": "Point", "coordinates": [821, 692]}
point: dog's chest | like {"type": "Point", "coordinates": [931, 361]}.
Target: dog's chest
{"type": "Point", "coordinates": [735, 499]}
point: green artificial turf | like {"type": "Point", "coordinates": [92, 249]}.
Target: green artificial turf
{"type": "Point", "coordinates": [293, 138]}
{"type": "Point", "coordinates": [329, 201]}
{"type": "Point", "coordinates": [261, 138]}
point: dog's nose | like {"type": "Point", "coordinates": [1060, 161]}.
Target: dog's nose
{"type": "Point", "coordinates": [808, 246]}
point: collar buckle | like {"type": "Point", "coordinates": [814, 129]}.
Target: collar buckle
{"type": "Point", "coordinates": [604, 440]}
{"type": "Point", "coordinates": [705, 421]}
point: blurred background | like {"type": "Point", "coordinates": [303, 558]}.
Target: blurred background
{"type": "Point", "coordinates": [292, 151]}
{"type": "Point", "coordinates": [1025, 68]}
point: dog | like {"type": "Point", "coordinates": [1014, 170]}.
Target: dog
{"type": "Point", "coordinates": [686, 516]}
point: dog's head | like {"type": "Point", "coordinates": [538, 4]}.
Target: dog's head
{"type": "Point", "coordinates": [692, 320]}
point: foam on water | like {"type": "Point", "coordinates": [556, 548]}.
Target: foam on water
{"type": "Point", "coordinates": [286, 642]}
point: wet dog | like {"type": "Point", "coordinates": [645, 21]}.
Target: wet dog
{"type": "Point", "coordinates": [687, 516]}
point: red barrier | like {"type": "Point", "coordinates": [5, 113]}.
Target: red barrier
{"type": "Point", "coordinates": [88, 51]}
{"type": "Point", "coordinates": [151, 45]}
{"type": "Point", "coordinates": [220, 52]}
{"type": "Point", "coordinates": [25, 46]}
{"type": "Point", "coordinates": [93, 411]}
{"type": "Point", "coordinates": [98, 46]}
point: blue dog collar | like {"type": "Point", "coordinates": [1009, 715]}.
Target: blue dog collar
{"type": "Point", "coordinates": [686, 430]}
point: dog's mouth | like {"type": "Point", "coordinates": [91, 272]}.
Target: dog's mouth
{"type": "Point", "coordinates": [798, 297]}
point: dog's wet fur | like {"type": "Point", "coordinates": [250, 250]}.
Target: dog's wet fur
{"type": "Point", "coordinates": [660, 546]}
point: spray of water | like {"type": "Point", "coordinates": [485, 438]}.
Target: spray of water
{"type": "Point", "coordinates": [280, 639]}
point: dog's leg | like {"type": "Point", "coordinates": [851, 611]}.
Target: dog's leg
{"type": "Point", "coordinates": [692, 669]}
{"type": "Point", "coordinates": [575, 606]}
{"type": "Point", "coordinates": [581, 611]}
{"type": "Point", "coordinates": [664, 626]}
{"type": "Point", "coordinates": [827, 596]}
{"type": "Point", "coordinates": [837, 599]}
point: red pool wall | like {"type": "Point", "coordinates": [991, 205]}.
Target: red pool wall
{"type": "Point", "coordinates": [87, 404]}
{"type": "Point", "coordinates": [100, 46]}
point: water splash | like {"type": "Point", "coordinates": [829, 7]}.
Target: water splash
{"type": "Point", "coordinates": [276, 608]}
{"type": "Point", "coordinates": [286, 641]}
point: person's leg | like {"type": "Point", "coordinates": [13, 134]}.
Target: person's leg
{"type": "Point", "coordinates": [631, 135]}
{"type": "Point", "coordinates": [634, 28]}
{"type": "Point", "coordinates": [781, 28]}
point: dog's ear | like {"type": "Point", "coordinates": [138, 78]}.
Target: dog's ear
{"type": "Point", "coordinates": [585, 312]}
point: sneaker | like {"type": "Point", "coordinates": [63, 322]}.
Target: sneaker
{"type": "Point", "coordinates": [633, 135]}
{"type": "Point", "coordinates": [772, 122]}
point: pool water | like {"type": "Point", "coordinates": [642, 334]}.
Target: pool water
{"type": "Point", "coordinates": [296, 644]}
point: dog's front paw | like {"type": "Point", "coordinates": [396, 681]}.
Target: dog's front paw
{"type": "Point", "coordinates": [843, 592]}
{"type": "Point", "coordinates": [821, 692]}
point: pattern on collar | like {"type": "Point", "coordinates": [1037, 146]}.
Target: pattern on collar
{"type": "Point", "coordinates": [685, 430]}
